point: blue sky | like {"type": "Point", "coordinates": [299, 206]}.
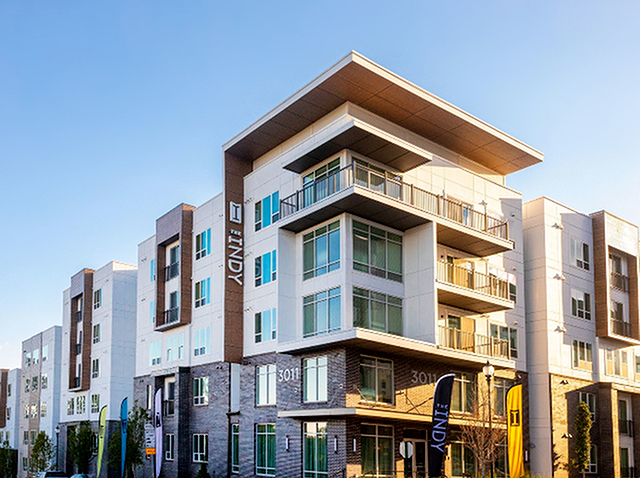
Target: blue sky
{"type": "Point", "coordinates": [112, 113]}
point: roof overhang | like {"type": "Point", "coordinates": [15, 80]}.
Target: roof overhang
{"type": "Point", "coordinates": [360, 81]}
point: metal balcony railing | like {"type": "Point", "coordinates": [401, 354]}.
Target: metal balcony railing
{"type": "Point", "coordinates": [473, 280]}
{"type": "Point", "coordinates": [625, 427]}
{"type": "Point", "coordinates": [171, 271]}
{"type": "Point", "coordinates": [389, 185]}
{"type": "Point", "coordinates": [620, 327]}
{"type": "Point", "coordinates": [171, 315]}
{"type": "Point", "coordinates": [620, 281]}
{"type": "Point", "coordinates": [457, 339]}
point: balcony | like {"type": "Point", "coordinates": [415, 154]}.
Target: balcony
{"type": "Point", "coordinates": [625, 427]}
{"type": "Point", "coordinates": [383, 198]}
{"type": "Point", "coordinates": [620, 327]}
{"type": "Point", "coordinates": [171, 315]}
{"type": "Point", "coordinates": [619, 281]}
{"type": "Point", "coordinates": [457, 339]}
{"type": "Point", "coordinates": [471, 290]}
{"type": "Point", "coordinates": [171, 271]}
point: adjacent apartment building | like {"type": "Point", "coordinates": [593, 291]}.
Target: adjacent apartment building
{"type": "Point", "coordinates": [98, 350]}
{"type": "Point", "coordinates": [10, 385]}
{"type": "Point", "coordinates": [583, 335]}
{"type": "Point", "coordinates": [365, 243]}
{"type": "Point", "coordinates": [40, 391]}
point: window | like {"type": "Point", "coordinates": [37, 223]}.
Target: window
{"type": "Point", "coordinates": [169, 442]}
{"type": "Point", "coordinates": [95, 403]}
{"type": "Point", "coordinates": [315, 379]}
{"type": "Point", "coordinates": [173, 269]}
{"type": "Point", "coordinates": [265, 324]}
{"type": "Point", "coordinates": [43, 409]}
{"type": "Point", "coordinates": [152, 312]}
{"type": "Point", "coordinates": [265, 268]}
{"type": "Point", "coordinates": [201, 340]}
{"type": "Point", "coordinates": [201, 391]}
{"type": "Point", "coordinates": [203, 244]}
{"type": "Point", "coordinates": [321, 251]}
{"type": "Point", "coordinates": [95, 368]}
{"type": "Point", "coordinates": [376, 311]}
{"type": "Point", "coordinates": [200, 448]}
{"type": "Point", "coordinates": [377, 252]}
{"type": "Point", "coordinates": [26, 411]}
{"type": "Point", "coordinates": [322, 312]}
{"type": "Point", "coordinates": [593, 460]}
{"type": "Point", "coordinates": [81, 404]}
{"type": "Point", "coordinates": [266, 384]}
{"type": "Point", "coordinates": [155, 353]}
{"type": "Point", "coordinates": [315, 450]}
{"type": "Point", "coordinates": [377, 450]}
{"type": "Point", "coordinates": [9, 390]}
{"type": "Point", "coordinates": [8, 415]}
{"type": "Point", "coordinates": [266, 449]}
{"type": "Point", "coordinates": [25, 461]}
{"type": "Point", "coordinates": [25, 437]}
{"type": "Point", "coordinates": [267, 211]}
{"type": "Point", "coordinates": [150, 397]}
{"type": "Point", "coordinates": [235, 448]}
{"type": "Point", "coordinates": [321, 183]}
{"type": "Point", "coordinates": [582, 355]}
{"type": "Point", "coordinates": [376, 380]}
{"type": "Point", "coordinates": [27, 359]}
{"type": "Point", "coordinates": [27, 385]}
{"type": "Point", "coordinates": [617, 363]}
{"type": "Point", "coordinates": [45, 352]}
{"type": "Point", "coordinates": [153, 270]}
{"type": "Point", "coordinates": [97, 298]}
{"type": "Point", "coordinates": [70, 406]}
{"type": "Point", "coordinates": [36, 356]}
{"type": "Point", "coordinates": [172, 314]}
{"type": "Point", "coordinates": [203, 292]}
{"type": "Point", "coordinates": [175, 347]}
{"type": "Point", "coordinates": [34, 410]}
{"type": "Point", "coordinates": [617, 311]}
{"type": "Point", "coordinates": [34, 384]}
{"type": "Point", "coordinates": [580, 254]}
{"type": "Point", "coordinates": [97, 333]}
{"type": "Point", "coordinates": [500, 388]}
{"type": "Point", "coordinates": [463, 462]}
{"type": "Point", "coordinates": [463, 394]}
{"type": "Point", "coordinates": [581, 304]}
{"type": "Point", "coordinates": [506, 333]}
{"type": "Point", "coordinates": [590, 400]}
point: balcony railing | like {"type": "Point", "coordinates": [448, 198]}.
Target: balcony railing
{"type": "Point", "coordinates": [452, 338]}
{"type": "Point", "coordinates": [473, 280]}
{"type": "Point", "coordinates": [620, 281]}
{"type": "Point", "coordinates": [171, 271]}
{"type": "Point", "coordinates": [620, 327]}
{"type": "Point", "coordinates": [390, 186]}
{"type": "Point", "coordinates": [171, 315]}
{"type": "Point", "coordinates": [625, 427]}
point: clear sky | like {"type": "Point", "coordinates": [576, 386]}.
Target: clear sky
{"type": "Point", "coordinates": [112, 113]}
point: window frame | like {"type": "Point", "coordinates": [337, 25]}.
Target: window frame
{"type": "Point", "coordinates": [581, 351]}
{"type": "Point", "coordinates": [169, 446]}
{"type": "Point", "coordinates": [97, 298]}
{"type": "Point", "coordinates": [270, 395]}
{"type": "Point", "coordinates": [200, 391]}
{"type": "Point", "coordinates": [269, 433]}
{"type": "Point", "coordinates": [372, 299]}
{"type": "Point", "coordinates": [259, 326]}
{"type": "Point", "coordinates": [311, 431]}
{"type": "Point", "coordinates": [203, 244]}
{"type": "Point", "coordinates": [321, 371]}
{"type": "Point", "coordinates": [378, 436]}
{"type": "Point", "coordinates": [379, 365]}
{"type": "Point", "coordinates": [365, 229]}
{"type": "Point", "coordinates": [200, 440]}
{"type": "Point", "coordinates": [326, 233]}
{"type": "Point", "coordinates": [235, 448]}
{"type": "Point", "coordinates": [330, 296]}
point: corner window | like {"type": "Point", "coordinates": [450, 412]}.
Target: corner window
{"type": "Point", "coordinates": [321, 251]}
{"type": "Point", "coordinates": [321, 312]}
{"type": "Point", "coordinates": [97, 298]}
{"type": "Point", "coordinates": [203, 292]}
{"type": "Point", "coordinates": [265, 325]}
{"type": "Point", "coordinates": [376, 380]}
{"type": "Point", "coordinates": [200, 448]}
{"type": "Point", "coordinates": [203, 244]}
{"type": "Point", "coordinates": [201, 391]}
{"type": "Point", "coordinates": [266, 384]}
{"type": "Point", "coordinates": [376, 311]}
{"type": "Point", "coordinates": [265, 268]}
{"type": "Point", "coordinates": [70, 406]}
{"type": "Point", "coordinates": [315, 379]}
{"type": "Point", "coordinates": [377, 252]}
{"type": "Point", "coordinates": [266, 449]}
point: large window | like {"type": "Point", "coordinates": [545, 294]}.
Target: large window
{"type": "Point", "coordinates": [321, 182]}
{"type": "Point", "coordinates": [95, 403]}
{"type": "Point", "coordinates": [155, 353]}
{"type": "Point", "coordinates": [203, 292]}
{"type": "Point", "coordinates": [376, 311]}
{"type": "Point", "coordinates": [506, 333]}
{"type": "Point", "coordinates": [315, 450]}
{"type": "Point", "coordinates": [97, 298]}
{"type": "Point", "coordinates": [377, 450]}
{"type": "Point", "coordinates": [201, 340]}
{"type": "Point", "coordinates": [580, 254]}
{"type": "Point", "coordinates": [315, 379]}
{"type": "Point", "coordinates": [266, 268]}
{"type": "Point", "coordinates": [265, 325]}
{"type": "Point", "coordinates": [582, 355]}
{"type": "Point", "coordinates": [376, 380]}
{"type": "Point", "coordinates": [267, 211]}
{"type": "Point", "coordinates": [463, 394]}
{"type": "Point", "coordinates": [377, 252]}
{"type": "Point", "coordinates": [500, 389]}
{"type": "Point", "coordinates": [581, 304]}
{"type": "Point", "coordinates": [203, 244]}
{"type": "Point", "coordinates": [200, 448]}
{"type": "Point", "coordinates": [266, 384]}
{"type": "Point", "coordinates": [235, 448]}
{"type": "Point", "coordinates": [175, 347]}
{"type": "Point", "coordinates": [463, 462]}
{"type": "Point", "coordinates": [617, 363]}
{"type": "Point", "coordinates": [201, 391]}
{"type": "Point", "coordinates": [81, 404]}
{"type": "Point", "coordinates": [321, 250]}
{"type": "Point", "coordinates": [322, 312]}
{"type": "Point", "coordinates": [169, 446]}
{"type": "Point", "coordinates": [266, 449]}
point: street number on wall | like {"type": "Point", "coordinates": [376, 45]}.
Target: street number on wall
{"type": "Point", "coordinates": [423, 378]}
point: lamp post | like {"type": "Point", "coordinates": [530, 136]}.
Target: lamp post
{"type": "Point", "coordinates": [57, 430]}
{"type": "Point", "coordinates": [488, 372]}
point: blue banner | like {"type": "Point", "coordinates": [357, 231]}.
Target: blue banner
{"type": "Point", "coordinates": [124, 421]}
{"type": "Point", "coordinates": [439, 424]}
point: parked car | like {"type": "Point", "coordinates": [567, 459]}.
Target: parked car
{"type": "Point", "coordinates": [56, 474]}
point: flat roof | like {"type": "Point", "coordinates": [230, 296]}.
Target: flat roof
{"type": "Point", "coordinates": [358, 80]}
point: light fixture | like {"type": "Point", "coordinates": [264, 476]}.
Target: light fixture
{"type": "Point", "coordinates": [558, 226]}
{"type": "Point", "coordinates": [488, 370]}
{"type": "Point", "coordinates": [566, 435]}
{"type": "Point", "coordinates": [286, 443]}
{"type": "Point", "coordinates": [335, 444]}
{"type": "Point", "coordinates": [354, 445]}
{"type": "Point", "coordinates": [564, 381]}
{"type": "Point", "coordinates": [559, 276]}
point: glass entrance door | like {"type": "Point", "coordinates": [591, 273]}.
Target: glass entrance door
{"type": "Point", "coordinates": [415, 466]}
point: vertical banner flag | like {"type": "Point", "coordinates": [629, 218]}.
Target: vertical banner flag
{"type": "Point", "coordinates": [124, 421]}
{"type": "Point", "coordinates": [157, 423]}
{"type": "Point", "coordinates": [439, 424]}
{"type": "Point", "coordinates": [101, 436]}
{"type": "Point", "coordinates": [514, 432]}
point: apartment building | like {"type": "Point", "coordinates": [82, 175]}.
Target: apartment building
{"type": "Point", "coordinates": [10, 385]}
{"type": "Point", "coordinates": [98, 350]}
{"type": "Point", "coordinates": [365, 244]}
{"type": "Point", "coordinates": [40, 391]}
{"type": "Point", "coordinates": [581, 275]}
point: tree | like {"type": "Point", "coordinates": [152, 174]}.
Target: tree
{"type": "Point", "coordinates": [41, 453]}
{"type": "Point", "coordinates": [8, 460]}
{"type": "Point", "coordinates": [203, 473]}
{"type": "Point", "coordinates": [82, 446]}
{"type": "Point", "coordinates": [134, 458]}
{"type": "Point", "coordinates": [583, 424]}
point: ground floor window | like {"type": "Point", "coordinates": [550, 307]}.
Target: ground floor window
{"type": "Point", "coordinates": [266, 449]}
{"type": "Point", "coordinates": [200, 448]}
{"type": "Point", "coordinates": [377, 450]}
{"type": "Point", "coordinates": [463, 463]}
{"type": "Point", "coordinates": [315, 450]}
{"type": "Point", "coordinates": [235, 448]}
{"type": "Point", "coordinates": [169, 442]}
{"type": "Point", "coordinates": [593, 460]}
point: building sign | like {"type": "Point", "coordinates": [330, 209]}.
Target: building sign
{"type": "Point", "coordinates": [149, 439]}
{"type": "Point", "coordinates": [515, 439]}
{"type": "Point", "coordinates": [440, 423]}
{"type": "Point", "coordinates": [235, 212]}
{"type": "Point", "coordinates": [235, 245]}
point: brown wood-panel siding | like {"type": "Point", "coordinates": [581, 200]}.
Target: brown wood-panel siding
{"type": "Point", "coordinates": [73, 334]}
{"type": "Point", "coordinates": [235, 169]}
{"type": "Point", "coordinates": [632, 267]}
{"type": "Point", "coordinates": [87, 314]}
{"type": "Point", "coordinates": [601, 274]}
{"type": "Point", "coordinates": [186, 264]}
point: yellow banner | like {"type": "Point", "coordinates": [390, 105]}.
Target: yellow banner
{"type": "Point", "coordinates": [514, 432]}
{"type": "Point", "coordinates": [101, 432]}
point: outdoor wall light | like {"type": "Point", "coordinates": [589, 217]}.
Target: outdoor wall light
{"type": "Point", "coordinates": [566, 435]}
{"type": "Point", "coordinates": [335, 444]}
{"type": "Point", "coordinates": [286, 443]}
{"type": "Point", "coordinates": [564, 381]}
{"type": "Point", "coordinates": [354, 445]}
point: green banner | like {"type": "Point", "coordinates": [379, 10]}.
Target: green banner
{"type": "Point", "coordinates": [101, 435]}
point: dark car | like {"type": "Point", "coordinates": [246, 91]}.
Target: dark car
{"type": "Point", "coordinates": [47, 474]}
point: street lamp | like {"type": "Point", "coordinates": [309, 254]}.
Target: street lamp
{"type": "Point", "coordinates": [488, 372]}
{"type": "Point", "coordinates": [57, 430]}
